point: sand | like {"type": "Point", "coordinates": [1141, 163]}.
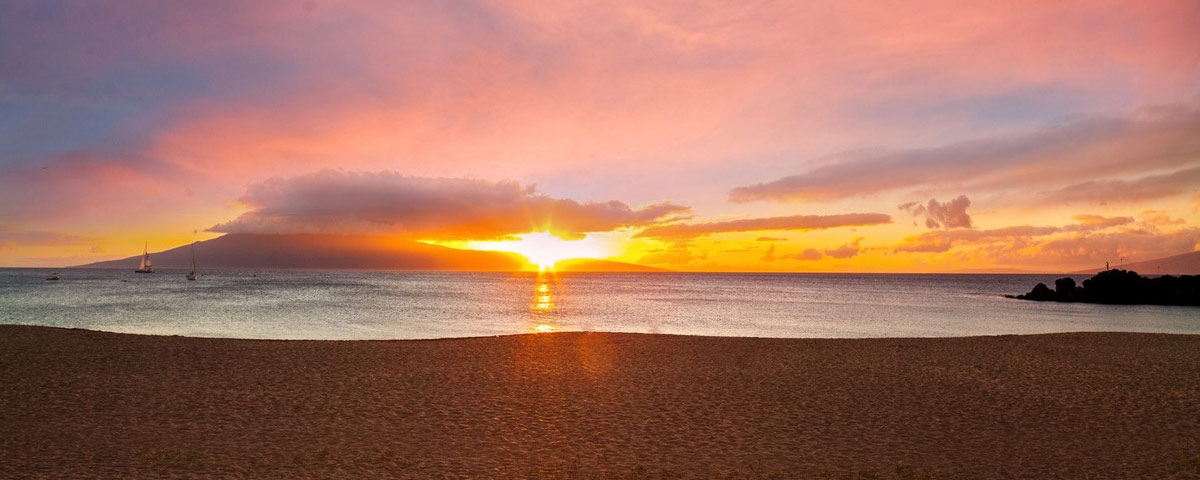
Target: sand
{"type": "Point", "coordinates": [77, 403]}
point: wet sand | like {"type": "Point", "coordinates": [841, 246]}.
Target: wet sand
{"type": "Point", "coordinates": [77, 403]}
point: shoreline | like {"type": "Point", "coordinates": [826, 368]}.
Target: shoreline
{"type": "Point", "coordinates": [592, 332]}
{"type": "Point", "coordinates": [83, 403]}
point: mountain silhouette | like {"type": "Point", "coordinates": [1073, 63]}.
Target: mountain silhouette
{"type": "Point", "coordinates": [314, 251]}
{"type": "Point", "coordinates": [1184, 264]}
{"type": "Point", "coordinates": [595, 265]}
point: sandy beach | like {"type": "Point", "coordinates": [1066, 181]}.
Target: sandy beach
{"type": "Point", "coordinates": [85, 404]}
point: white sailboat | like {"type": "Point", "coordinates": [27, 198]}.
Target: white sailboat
{"type": "Point", "coordinates": [145, 266]}
{"type": "Point", "coordinates": [193, 276]}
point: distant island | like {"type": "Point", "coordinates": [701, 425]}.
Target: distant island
{"type": "Point", "coordinates": [1120, 287]}
{"type": "Point", "coordinates": [1182, 264]}
{"type": "Point", "coordinates": [348, 252]}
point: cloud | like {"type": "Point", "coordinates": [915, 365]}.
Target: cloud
{"type": "Point", "coordinates": [794, 222]}
{"type": "Point", "coordinates": [809, 254]}
{"type": "Point", "coordinates": [1092, 238]}
{"type": "Point", "coordinates": [1080, 250]}
{"type": "Point", "coordinates": [1129, 191]}
{"type": "Point", "coordinates": [952, 214]}
{"type": "Point", "coordinates": [1131, 245]}
{"type": "Point", "coordinates": [12, 237]}
{"type": "Point", "coordinates": [770, 255]}
{"type": "Point", "coordinates": [432, 208]}
{"type": "Point", "coordinates": [941, 241]}
{"type": "Point", "coordinates": [1159, 218]}
{"type": "Point", "coordinates": [78, 185]}
{"type": "Point", "coordinates": [1092, 148]}
{"type": "Point", "coordinates": [770, 239]}
{"type": "Point", "coordinates": [1089, 223]}
{"type": "Point", "coordinates": [677, 253]}
{"type": "Point", "coordinates": [848, 250]}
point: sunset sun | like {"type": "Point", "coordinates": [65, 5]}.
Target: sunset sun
{"type": "Point", "coordinates": [544, 249]}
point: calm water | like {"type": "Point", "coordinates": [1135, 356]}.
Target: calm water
{"type": "Point", "coordinates": [393, 305]}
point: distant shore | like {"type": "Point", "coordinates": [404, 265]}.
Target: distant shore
{"type": "Point", "coordinates": [80, 403]}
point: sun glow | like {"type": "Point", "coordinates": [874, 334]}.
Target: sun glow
{"type": "Point", "coordinates": [543, 309]}
{"type": "Point", "coordinates": [544, 249]}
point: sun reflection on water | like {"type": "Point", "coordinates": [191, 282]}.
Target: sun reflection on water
{"type": "Point", "coordinates": [543, 310]}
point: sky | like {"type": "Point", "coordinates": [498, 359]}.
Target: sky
{"type": "Point", "coordinates": [855, 136]}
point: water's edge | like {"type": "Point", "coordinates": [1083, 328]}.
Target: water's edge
{"type": "Point", "coordinates": [355, 305]}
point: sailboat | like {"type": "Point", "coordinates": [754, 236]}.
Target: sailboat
{"type": "Point", "coordinates": [193, 276]}
{"type": "Point", "coordinates": [145, 266]}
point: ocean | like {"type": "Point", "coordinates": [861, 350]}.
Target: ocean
{"type": "Point", "coordinates": [354, 305]}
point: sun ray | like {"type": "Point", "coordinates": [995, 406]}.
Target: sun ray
{"type": "Point", "coordinates": [544, 249]}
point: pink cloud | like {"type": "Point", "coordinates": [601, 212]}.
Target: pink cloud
{"type": "Point", "coordinates": [1093, 239]}
{"type": "Point", "coordinates": [952, 214]}
{"type": "Point", "coordinates": [434, 208]}
{"type": "Point", "coordinates": [809, 254]}
{"type": "Point", "coordinates": [848, 250]}
{"type": "Point", "coordinates": [1092, 148]}
{"type": "Point", "coordinates": [1150, 187]}
{"type": "Point", "coordinates": [10, 237]}
{"type": "Point", "coordinates": [1130, 245]}
{"type": "Point", "coordinates": [608, 85]}
{"type": "Point", "coordinates": [794, 222]}
{"type": "Point", "coordinates": [82, 186]}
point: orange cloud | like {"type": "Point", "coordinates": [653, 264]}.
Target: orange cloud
{"type": "Point", "coordinates": [675, 255]}
{"type": "Point", "coordinates": [941, 241]}
{"type": "Point", "coordinates": [1097, 222]}
{"type": "Point", "coordinates": [794, 222]}
{"type": "Point", "coordinates": [1158, 218]}
{"type": "Point", "coordinates": [770, 255]}
{"type": "Point", "coordinates": [1093, 239]}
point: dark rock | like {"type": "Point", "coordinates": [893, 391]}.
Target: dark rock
{"type": "Point", "coordinates": [1122, 287]}
{"type": "Point", "coordinates": [1040, 293]}
{"type": "Point", "coordinates": [1064, 287]}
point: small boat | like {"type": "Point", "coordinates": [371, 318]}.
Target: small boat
{"type": "Point", "coordinates": [193, 276]}
{"type": "Point", "coordinates": [145, 266]}
{"type": "Point", "coordinates": [53, 276]}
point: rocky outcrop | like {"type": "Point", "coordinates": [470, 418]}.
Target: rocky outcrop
{"type": "Point", "coordinates": [1121, 287]}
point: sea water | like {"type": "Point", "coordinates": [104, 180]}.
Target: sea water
{"type": "Point", "coordinates": [346, 305]}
